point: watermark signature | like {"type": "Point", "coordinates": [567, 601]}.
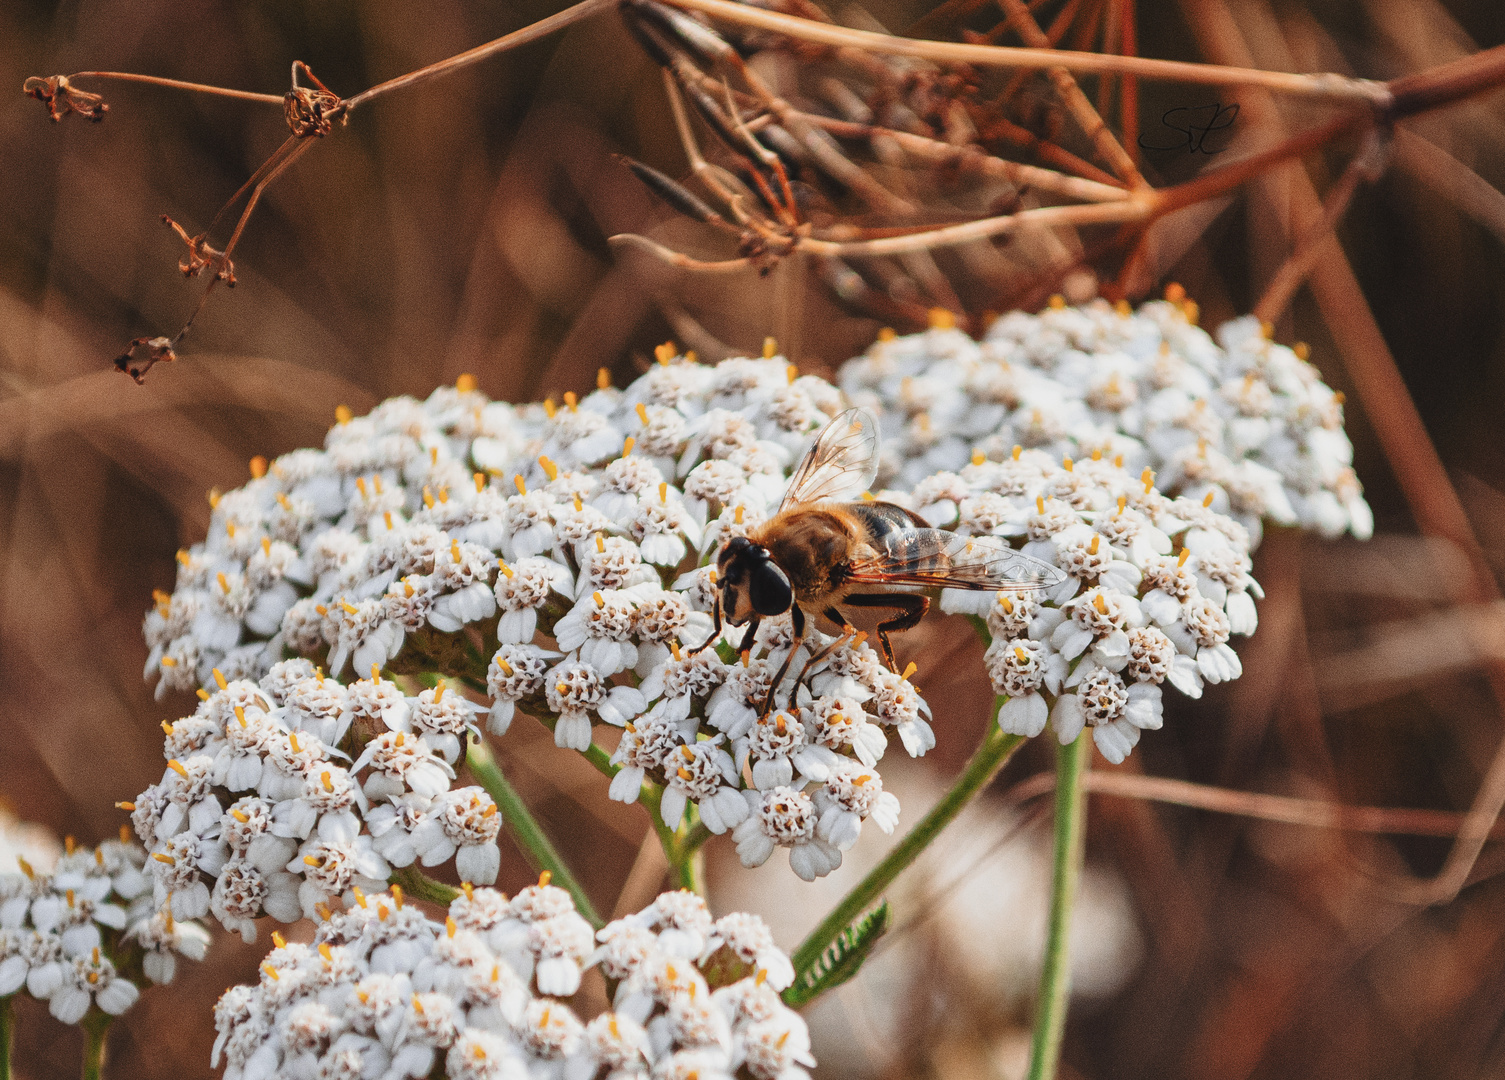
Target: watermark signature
{"type": "Point", "coordinates": [1193, 128]}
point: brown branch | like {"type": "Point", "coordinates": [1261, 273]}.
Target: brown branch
{"type": "Point", "coordinates": [1088, 214]}
{"type": "Point", "coordinates": [178, 84]}
{"type": "Point", "coordinates": [1129, 99]}
{"type": "Point", "coordinates": [1076, 102]}
{"type": "Point", "coordinates": [529, 33]}
{"type": "Point", "coordinates": [1001, 127]}
{"type": "Point", "coordinates": [1334, 88]}
{"type": "Point", "coordinates": [969, 159]}
{"type": "Point", "coordinates": [1447, 83]}
{"type": "Point", "coordinates": [1058, 27]}
{"type": "Point", "coordinates": [286, 161]}
{"type": "Point", "coordinates": [1366, 165]}
{"type": "Point", "coordinates": [674, 258]}
{"type": "Point", "coordinates": [698, 164]}
{"type": "Point", "coordinates": [1063, 18]}
{"type": "Point", "coordinates": [1282, 808]}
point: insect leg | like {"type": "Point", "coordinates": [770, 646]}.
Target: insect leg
{"type": "Point", "coordinates": [750, 638]}
{"type": "Point", "coordinates": [911, 610]}
{"type": "Point", "coordinates": [847, 633]}
{"type": "Point", "coordinates": [797, 618]}
{"type": "Point", "coordinates": [715, 630]}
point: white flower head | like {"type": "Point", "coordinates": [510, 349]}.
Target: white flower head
{"type": "Point", "coordinates": [785, 817]}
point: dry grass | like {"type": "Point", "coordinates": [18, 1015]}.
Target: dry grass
{"type": "Point", "coordinates": [462, 227]}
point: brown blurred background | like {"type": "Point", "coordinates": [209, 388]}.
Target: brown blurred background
{"type": "Point", "coordinates": [462, 226]}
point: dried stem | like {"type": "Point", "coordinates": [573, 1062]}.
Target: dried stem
{"type": "Point", "coordinates": [674, 258]}
{"type": "Point", "coordinates": [939, 154]}
{"type": "Point", "coordinates": [277, 170]}
{"type": "Point", "coordinates": [1334, 88]}
{"type": "Point", "coordinates": [1447, 83]}
{"type": "Point", "coordinates": [1364, 166]}
{"type": "Point", "coordinates": [1076, 102]}
{"type": "Point", "coordinates": [698, 164]}
{"type": "Point", "coordinates": [178, 84]}
{"type": "Point", "coordinates": [1129, 99]}
{"type": "Point", "coordinates": [530, 33]}
{"type": "Point", "coordinates": [1285, 809]}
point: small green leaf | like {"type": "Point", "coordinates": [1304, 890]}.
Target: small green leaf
{"type": "Point", "coordinates": [841, 959]}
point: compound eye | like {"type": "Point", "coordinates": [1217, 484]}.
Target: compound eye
{"type": "Point", "coordinates": [769, 590]}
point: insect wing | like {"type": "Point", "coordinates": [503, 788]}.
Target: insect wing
{"type": "Point", "coordinates": [938, 559]}
{"type": "Point", "coordinates": [841, 465]}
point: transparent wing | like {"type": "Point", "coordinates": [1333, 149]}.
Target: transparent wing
{"type": "Point", "coordinates": [938, 559]}
{"type": "Point", "coordinates": [841, 465]}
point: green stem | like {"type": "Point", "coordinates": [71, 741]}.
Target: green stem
{"type": "Point", "coordinates": [525, 829]}
{"type": "Point", "coordinates": [690, 872]}
{"type": "Point", "coordinates": [96, 1031]}
{"type": "Point", "coordinates": [1055, 980]}
{"type": "Point", "coordinates": [695, 837]}
{"type": "Point", "coordinates": [7, 1033]}
{"type": "Point", "coordinates": [681, 846]}
{"type": "Point", "coordinates": [419, 886]}
{"type": "Point", "coordinates": [986, 761]}
{"type": "Point", "coordinates": [651, 797]}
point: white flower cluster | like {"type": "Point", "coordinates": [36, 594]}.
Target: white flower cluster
{"type": "Point", "coordinates": [571, 536]}
{"type": "Point", "coordinates": [261, 812]}
{"type": "Point", "coordinates": [1241, 417]}
{"type": "Point", "coordinates": [571, 541]}
{"type": "Point", "coordinates": [72, 937]}
{"type": "Point", "coordinates": [1154, 586]}
{"type": "Point", "coordinates": [386, 992]}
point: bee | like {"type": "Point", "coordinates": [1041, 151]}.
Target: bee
{"type": "Point", "coordinates": [826, 549]}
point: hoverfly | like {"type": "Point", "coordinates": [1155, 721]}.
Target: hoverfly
{"type": "Point", "coordinates": [823, 552]}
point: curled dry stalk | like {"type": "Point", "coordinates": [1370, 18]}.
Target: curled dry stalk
{"type": "Point", "coordinates": [310, 111]}
{"type": "Point", "coordinates": [768, 141]}
{"type": "Point", "coordinates": [696, 59]}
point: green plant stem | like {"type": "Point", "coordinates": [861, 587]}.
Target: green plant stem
{"type": "Point", "coordinates": [681, 846]}
{"type": "Point", "coordinates": [419, 886]}
{"type": "Point", "coordinates": [691, 872]}
{"type": "Point", "coordinates": [96, 1031]}
{"type": "Point", "coordinates": [986, 761]}
{"type": "Point", "coordinates": [540, 850]}
{"type": "Point", "coordinates": [7, 1033]}
{"type": "Point", "coordinates": [695, 837]}
{"type": "Point", "coordinates": [1055, 979]}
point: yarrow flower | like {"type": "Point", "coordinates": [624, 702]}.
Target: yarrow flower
{"type": "Point", "coordinates": [87, 933]}
{"type": "Point", "coordinates": [1096, 650]}
{"type": "Point", "coordinates": [572, 534]}
{"type": "Point", "coordinates": [260, 811]}
{"type": "Point", "coordinates": [384, 990]}
{"type": "Point", "coordinates": [578, 538]}
{"type": "Point", "coordinates": [1241, 417]}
